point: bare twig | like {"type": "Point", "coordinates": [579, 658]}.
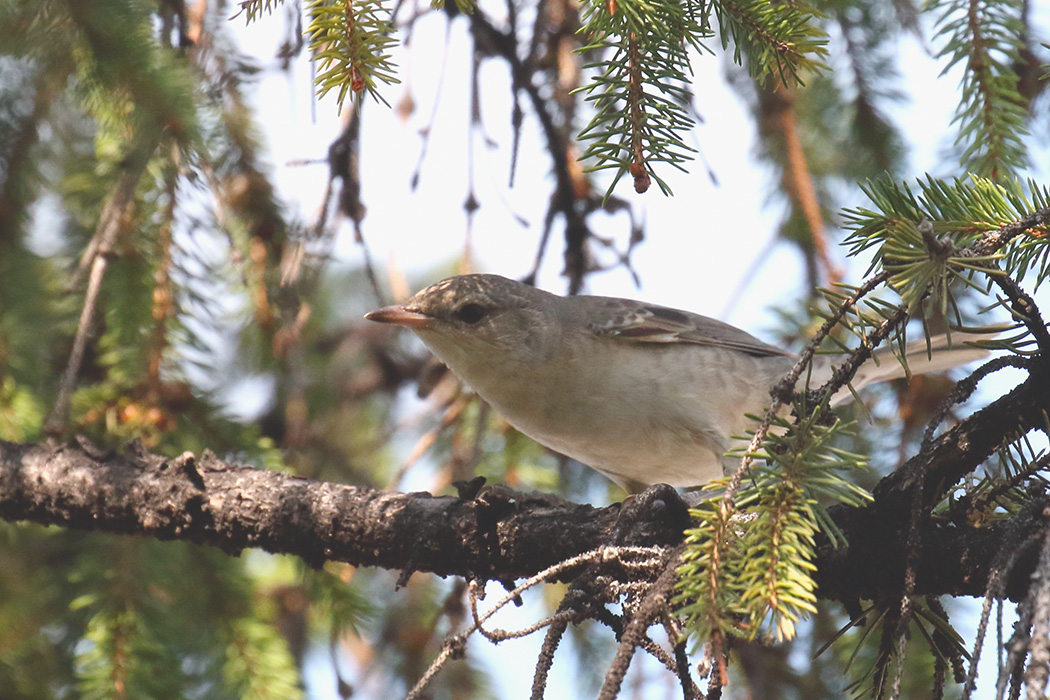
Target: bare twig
{"type": "Point", "coordinates": [996, 583]}
{"type": "Point", "coordinates": [1038, 671]}
{"type": "Point", "coordinates": [1025, 308]}
{"type": "Point", "coordinates": [453, 648]}
{"type": "Point", "coordinates": [965, 387]}
{"type": "Point", "coordinates": [109, 223]}
{"type": "Point", "coordinates": [784, 389]}
{"type": "Point", "coordinates": [652, 606]}
{"type": "Point", "coordinates": [595, 555]}
{"type": "Point", "coordinates": [913, 545]}
{"type": "Point", "coordinates": [563, 198]}
{"type": "Point", "coordinates": [551, 640]}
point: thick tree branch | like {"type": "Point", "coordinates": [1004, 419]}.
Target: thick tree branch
{"type": "Point", "coordinates": [963, 448]}
{"type": "Point", "coordinates": [499, 534]}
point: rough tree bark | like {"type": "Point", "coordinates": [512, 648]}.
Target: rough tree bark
{"type": "Point", "coordinates": [500, 534]}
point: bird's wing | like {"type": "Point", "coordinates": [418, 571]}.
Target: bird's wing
{"type": "Point", "coordinates": [649, 323]}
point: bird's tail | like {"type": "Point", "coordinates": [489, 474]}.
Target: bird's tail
{"type": "Point", "coordinates": [919, 358]}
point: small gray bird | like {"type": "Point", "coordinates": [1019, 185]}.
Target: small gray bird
{"type": "Point", "coordinates": [644, 394]}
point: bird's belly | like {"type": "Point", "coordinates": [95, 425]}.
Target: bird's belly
{"type": "Point", "coordinates": [641, 456]}
{"type": "Point", "coordinates": [669, 422]}
{"type": "Point", "coordinates": [674, 441]}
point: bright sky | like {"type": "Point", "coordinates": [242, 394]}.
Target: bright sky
{"type": "Point", "coordinates": [425, 228]}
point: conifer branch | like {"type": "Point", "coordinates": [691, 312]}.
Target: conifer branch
{"type": "Point", "coordinates": [350, 40]}
{"type": "Point", "coordinates": [984, 35]}
{"type": "Point", "coordinates": [635, 96]}
{"type": "Point", "coordinates": [500, 534]}
{"type": "Point", "coordinates": [777, 38]}
{"type": "Point", "coordinates": [253, 9]}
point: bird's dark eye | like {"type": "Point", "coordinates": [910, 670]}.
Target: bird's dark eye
{"type": "Point", "coordinates": [470, 313]}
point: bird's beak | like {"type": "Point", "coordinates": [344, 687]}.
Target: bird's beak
{"type": "Point", "coordinates": [399, 316]}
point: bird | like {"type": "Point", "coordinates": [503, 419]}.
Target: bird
{"type": "Point", "coordinates": [644, 394]}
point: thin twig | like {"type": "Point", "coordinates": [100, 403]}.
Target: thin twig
{"type": "Point", "coordinates": [964, 388]}
{"type": "Point", "coordinates": [453, 648]}
{"type": "Point", "coordinates": [993, 241]}
{"type": "Point", "coordinates": [993, 591]}
{"type": "Point", "coordinates": [784, 389]}
{"type": "Point", "coordinates": [1018, 644]}
{"type": "Point", "coordinates": [348, 147]}
{"type": "Point", "coordinates": [551, 640]}
{"type": "Point", "coordinates": [563, 199]}
{"type": "Point", "coordinates": [635, 97]}
{"type": "Point", "coordinates": [599, 554]}
{"type": "Point", "coordinates": [672, 664]}
{"type": "Point", "coordinates": [106, 232]}
{"type": "Point", "coordinates": [913, 545]}
{"type": "Point", "coordinates": [1038, 671]}
{"type": "Point", "coordinates": [651, 606]}
{"type": "Point", "coordinates": [1025, 307]}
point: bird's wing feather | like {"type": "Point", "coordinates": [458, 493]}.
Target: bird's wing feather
{"type": "Point", "coordinates": [649, 323]}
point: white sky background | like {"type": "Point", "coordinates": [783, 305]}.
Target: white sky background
{"type": "Point", "coordinates": [425, 229]}
{"type": "Point", "coordinates": [698, 245]}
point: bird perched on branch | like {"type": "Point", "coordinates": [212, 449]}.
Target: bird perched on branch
{"type": "Point", "coordinates": [644, 394]}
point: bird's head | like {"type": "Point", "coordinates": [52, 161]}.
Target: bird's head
{"type": "Point", "coordinates": [471, 319]}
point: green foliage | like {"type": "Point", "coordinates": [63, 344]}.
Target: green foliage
{"type": "Point", "coordinates": [772, 37]}
{"type": "Point", "coordinates": [129, 115]}
{"type": "Point", "coordinates": [748, 569]}
{"type": "Point", "coordinates": [30, 325]}
{"type": "Point", "coordinates": [821, 137]}
{"type": "Point", "coordinates": [340, 607]}
{"type": "Point", "coordinates": [136, 618]}
{"type": "Point", "coordinates": [123, 617]}
{"type": "Point", "coordinates": [875, 144]}
{"type": "Point", "coordinates": [253, 9]}
{"type": "Point", "coordinates": [639, 89]}
{"type": "Point", "coordinates": [708, 589]}
{"type": "Point", "coordinates": [21, 414]}
{"type": "Point", "coordinates": [985, 37]}
{"type": "Point", "coordinates": [777, 588]}
{"type": "Point", "coordinates": [120, 656]}
{"type": "Point", "coordinates": [870, 655]}
{"type": "Point", "coordinates": [136, 89]}
{"type": "Point", "coordinates": [841, 137]}
{"type": "Point", "coordinates": [259, 665]}
{"type": "Point", "coordinates": [806, 458]}
{"type": "Point", "coordinates": [351, 41]}
{"type": "Point", "coordinates": [640, 86]}
{"type": "Point", "coordinates": [465, 6]}
{"type": "Point", "coordinates": [954, 216]}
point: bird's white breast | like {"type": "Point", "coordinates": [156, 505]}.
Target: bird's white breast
{"type": "Point", "coordinates": [662, 417]}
